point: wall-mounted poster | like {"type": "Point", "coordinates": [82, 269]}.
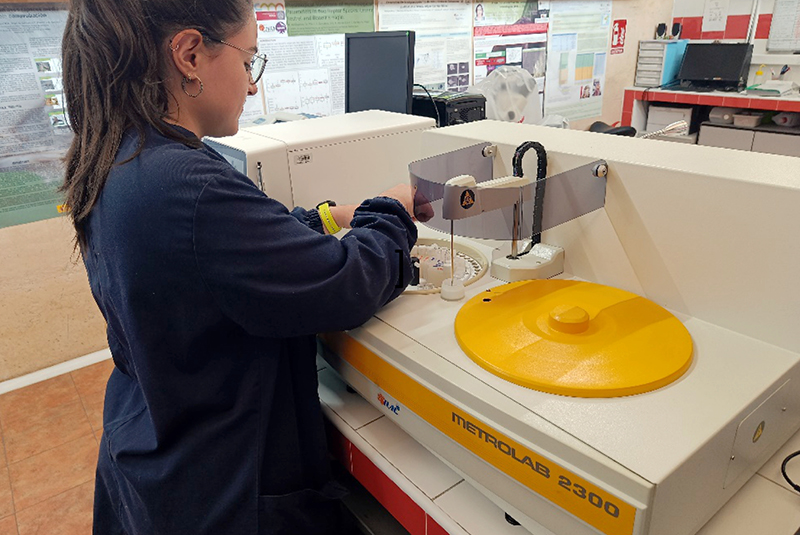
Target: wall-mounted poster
{"type": "Point", "coordinates": [576, 64]}
{"type": "Point", "coordinates": [34, 133]}
{"type": "Point", "coordinates": [511, 33]}
{"type": "Point", "coordinates": [443, 35]}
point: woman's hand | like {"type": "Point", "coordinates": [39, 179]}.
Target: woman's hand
{"type": "Point", "coordinates": [343, 215]}
{"type": "Point", "coordinates": [404, 194]}
{"type": "Point", "coordinates": [422, 211]}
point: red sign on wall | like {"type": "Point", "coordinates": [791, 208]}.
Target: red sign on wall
{"type": "Point", "coordinates": [618, 30]}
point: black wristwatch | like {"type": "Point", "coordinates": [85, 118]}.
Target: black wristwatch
{"type": "Point", "coordinates": [328, 202]}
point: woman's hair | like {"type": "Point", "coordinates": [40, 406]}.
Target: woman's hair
{"type": "Point", "coordinates": [114, 69]}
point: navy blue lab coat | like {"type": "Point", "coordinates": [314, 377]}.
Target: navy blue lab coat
{"type": "Point", "coordinates": [213, 293]}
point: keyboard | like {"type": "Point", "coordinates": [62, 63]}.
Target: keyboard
{"type": "Point", "coordinates": [703, 88]}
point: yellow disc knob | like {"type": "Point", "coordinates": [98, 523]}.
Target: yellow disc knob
{"type": "Point", "coordinates": [574, 338]}
{"type": "Point", "coordinates": [569, 319]}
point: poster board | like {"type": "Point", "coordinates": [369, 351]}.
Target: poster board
{"type": "Point", "coordinates": [458, 43]}
{"type": "Point", "coordinates": [34, 134]}
{"type": "Point", "coordinates": [784, 33]}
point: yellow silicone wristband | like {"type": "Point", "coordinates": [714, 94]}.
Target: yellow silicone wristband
{"type": "Point", "coordinates": [327, 218]}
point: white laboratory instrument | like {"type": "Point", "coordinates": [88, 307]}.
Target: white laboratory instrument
{"type": "Point", "coordinates": [433, 259]}
{"type": "Point", "coordinates": [301, 163]}
{"type": "Point", "coordinates": [705, 233]}
{"type": "Point", "coordinates": [457, 192]}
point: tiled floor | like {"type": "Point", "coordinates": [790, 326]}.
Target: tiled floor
{"type": "Point", "coordinates": [50, 433]}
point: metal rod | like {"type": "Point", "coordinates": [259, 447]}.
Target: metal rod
{"type": "Point", "coordinates": [515, 233]}
{"type": "Point", "coordinates": [260, 180]}
{"type": "Point", "coordinates": [754, 14]}
{"type": "Point", "coordinates": [452, 255]}
{"type": "Point", "coordinates": [680, 128]}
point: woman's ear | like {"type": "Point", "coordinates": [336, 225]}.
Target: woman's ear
{"type": "Point", "coordinates": [185, 47]}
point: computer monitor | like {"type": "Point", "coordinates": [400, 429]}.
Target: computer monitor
{"type": "Point", "coordinates": [379, 71]}
{"type": "Point", "coordinates": [718, 64]}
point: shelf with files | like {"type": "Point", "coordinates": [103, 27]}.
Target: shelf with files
{"type": "Point", "coordinates": [767, 138]}
{"type": "Point", "coordinates": [636, 102]}
{"type": "Point", "coordinates": [658, 61]}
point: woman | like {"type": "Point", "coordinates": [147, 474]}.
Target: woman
{"type": "Point", "coordinates": [479, 13]}
{"type": "Point", "coordinates": [212, 292]}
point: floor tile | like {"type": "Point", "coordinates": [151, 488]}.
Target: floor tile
{"type": "Point", "coordinates": [772, 468]}
{"type": "Point", "coordinates": [760, 506]}
{"type": "Point", "coordinates": [95, 415]}
{"type": "Point", "coordinates": [6, 501]}
{"type": "Point", "coordinates": [350, 407]}
{"type": "Point", "coordinates": [48, 474]}
{"type": "Point", "coordinates": [69, 513]}
{"type": "Point", "coordinates": [91, 380]}
{"type": "Point", "coordinates": [34, 399]}
{"type": "Point", "coordinates": [8, 525]}
{"type": "Point", "coordinates": [474, 511]}
{"type": "Point", "coordinates": [415, 462]}
{"type": "Point", "coordinates": [45, 430]}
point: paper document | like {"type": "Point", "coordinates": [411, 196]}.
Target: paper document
{"type": "Point", "coordinates": [773, 88]}
{"type": "Point", "coordinates": [715, 15]}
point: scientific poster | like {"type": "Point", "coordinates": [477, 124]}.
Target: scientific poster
{"type": "Point", "coordinates": [492, 18]}
{"type": "Point", "coordinates": [576, 62]}
{"type": "Point", "coordinates": [271, 20]}
{"type": "Point", "coordinates": [31, 101]}
{"type": "Point", "coordinates": [315, 17]}
{"type": "Point", "coordinates": [784, 32]}
{"type": "Point", "coordinates": [511, 33]}
{"type": "Point", "coordinates": [33, 128]}
{"type": "Point", "coordinates": [304, 75]}
{"type": "Point", "coordinates": [443, 34]}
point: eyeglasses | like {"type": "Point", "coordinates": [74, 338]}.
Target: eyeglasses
{"type": "Point", "coordinates": [257, 63]}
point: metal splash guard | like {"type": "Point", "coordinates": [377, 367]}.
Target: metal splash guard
{"type": "Point", "coordinates": [568, 195]}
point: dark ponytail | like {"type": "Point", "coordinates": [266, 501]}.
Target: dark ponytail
{"type": "Point", "coordinates": [114, 69]}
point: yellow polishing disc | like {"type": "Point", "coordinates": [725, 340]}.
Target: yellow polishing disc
{"type": "Point", "coordinates": [574, 338]}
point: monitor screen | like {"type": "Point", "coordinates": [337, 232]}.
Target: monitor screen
{"type": "Point", "coordinates": [379, 71]}
{"type": "Point", "coordinates": [716, 62]}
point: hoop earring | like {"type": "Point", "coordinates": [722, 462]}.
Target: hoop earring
{"type": "Point", "coordinates": [183, 86]}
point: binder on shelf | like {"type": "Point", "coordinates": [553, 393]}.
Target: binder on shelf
{"type": "Point", "coordinates": [658, 62]}
{"type": "Point", "coordinates": [773, 88]}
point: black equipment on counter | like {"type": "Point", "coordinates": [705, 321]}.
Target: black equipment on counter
{"type": "Point", "coordinates": [715, 66]}
{"type": "Point", "coordinates": [379, 71]}
{"type": "Point", "coordinates": [454, 108]}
